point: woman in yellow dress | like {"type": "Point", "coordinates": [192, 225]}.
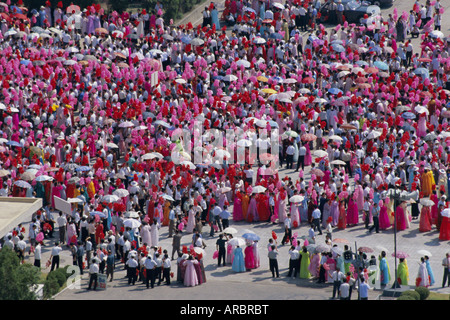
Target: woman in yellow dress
{"type": "Point", "coordinates": [427, 182]}
{"type": "Point", "coordinates": [245, 201]}
{"type": "Point", "coordinates": [166, 212]}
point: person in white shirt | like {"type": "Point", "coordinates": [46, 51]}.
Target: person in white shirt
{"type": "Point", "coordinates": [62, 222]}
{"type": "Point", "coordinates": [54, 257]}
{"type": "Point", "coordinates": [290, 150]}
{"type": "Point", "coordinates": [316, 219]}
{"type": "Point", "coordinates": [37, 255]}
{"type": "Point", "coordinates": [337, 277]}
{"type": "Point", "coordinates": [93, 274]}
{"type": "Point", "coordinates": [132, 265]}
{"type": "Point", "coordinates": [294, 262]}
{"type": "Point", "coordinates": [344, 289]}
{"type": "Point", "coordinates": [287, 229]}
{"type": "Point", "coordinates": [150, 266]}
{"type": "Point", "coordinates": [166, 269]}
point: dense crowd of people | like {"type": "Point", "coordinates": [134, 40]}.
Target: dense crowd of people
{"type": "Point", "coordinates": [110, 112]}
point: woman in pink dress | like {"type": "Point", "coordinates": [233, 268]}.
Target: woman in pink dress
{"type": "Point", "coordinates": [237, 207]}
{"type": "Point", "coordinates": [425, 219]}
{"type": "Point", "coordinates": [434, 209]}
{"type": "Point", "coordinates": [384, 217]}
{"type": "Point", "coordinates": [334, 212]}
{"type": "Point", "coordinates": [56, 191]}
{"type": "Point", "coordinates": [282, 206]}
{"type": "Point", "coordinates": [252, 213]}
{"type": "Point", "coordinates": [352, 212]}
{"type": "Point", "coordinates": [295, 216]}
{"type": "Point", "coordinates": [401, 221]}
{"type": "Point", "coordinates": [249, 257]}
{"type": "Point", "coordinates": [308, 158]}
{"type": "Point", "coordinates": [342, 223]}
{"type": "Point", "coordinates": [190, 275]}
{"type": "Point", "coordinates": [313, 267]}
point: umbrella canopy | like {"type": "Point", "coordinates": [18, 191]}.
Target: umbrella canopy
{"type": "Point", "coordinates": [259, 189]}
{"type": "Point", "coordinates": [22, 184]}
{"type": "Point", "coordinates": [83, 168]}
{"type": "Point", "coordinates": [338, 162]}
{"type": "Point", "coordinates": [365, 249]}
{"type": "Point", "coordinates": [98, 213]}
{"type": "Point", "coordinates": [75, 200]}
{"type": "Point", "coordinates": [291, 134]}
{"type": "Point", "coordinates": [230, 230]}
{"type": "Point", "coordinates": [296, 199]}
{"type": "Point", "coordinates": [28, 176]}
{"type": "Point", "coordinates": [320, 153]}
{"type": "Point", "coordinates": [424, 252]}
{"type": "Point", "coordinates": [400, 255]}
{"type": "Point", "coordinates": [110, 198]}
{"type": "Point", "coordinates": [131, 223]}
{"type": "Point", "coordinates": [251, 236]}
{"type": "Point", "coordinates": [237, 242]}
{"type": "Point", "coordinates": [44, 178]}
{"type": "Point", "coordinates": [121, 193]}
{"type": "Point", "coordinates": [381, 65]}
{"type": "Point", "coordinates": [308, 137]}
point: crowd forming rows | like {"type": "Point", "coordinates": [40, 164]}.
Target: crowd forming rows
{"type": "Point", "coordinates": [94, 106]}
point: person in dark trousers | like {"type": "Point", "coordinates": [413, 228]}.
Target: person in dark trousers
{"type": "Point", "coordinates": [293, 262]}
{"type": "Point", "coordinates": [287, 230]}
{"type": "Point", "coordinates": [55, 256]}
{"type": "Point", "coordinates": [176, 242]}
{"type": "Point", "coordinates": [376, 220]}
{"type": "Point", "coordinates": [446, 265]}
{"type": "Point", "coordinates": [93, 274]}
{"type": "Point", "coordinates": [80, 256]}
{"type": "Point", "coordinates": [273, 262]}
{"type": "Point", "coordinates": [150, 266]}
{"type": "Point", "coordinates": [166, 269]}
{"type": "Point", "coordinates": [220, 246]}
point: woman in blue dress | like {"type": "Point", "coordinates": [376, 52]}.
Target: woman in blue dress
{"type": "Point", "coordinates": [430, 271]}
{"type": "Point", "coordinates": [238, 264]}
{"type": "Point", "coordinates": [215, 17]}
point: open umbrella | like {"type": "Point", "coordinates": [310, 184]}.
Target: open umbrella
{"type": "Point", "coordinates": [365, 249]}
{"type": "Point", "coordinates": [22, 184]}
{"type": "Point", "coordinates": [83, 168]}
{"type": "Point", "coordinates": [75, 200]}
{"type": "Point", "coordinates": [237, 242]}
{"type": "Point", "coordinates": [296, 199]}
{"type": "Point", "coordinates": [424, 252]}
{"type": "Point", "coordinates": [44, 178]}
{"type": "Point", "coordinates": [381, 65]}
{"type": "Point", "coordinates": [98, 213]}
{"type": "Point", "coordinates": [230, 230]}
{"type": "Point", "coordinates": [259, 189]}
{"type": "Point", "coordinates": [400, 255]}
{"type": "Point", "coordinates": [340, 240]}
{"type": "Point", "coordinates": [251, 236]}
{"type": "Point", "coordinates": [167, 197]}
{"type": "Point", "coordinates": [121, 193]}
{"type": "Point", "coordinates": [28, 176]}
{"type": "Point", "coordinates": [291, 134]}
{"type": "Point", "coordinates": [320, 153]}
{"type": "Point", "coordinates": [110, 198]}
{"type": "Point", "coordinates": [308, 137]}
{"type": "Point", "coordinates": [131, 223]}
{"type": "Point", "coordinates": [338, 162]}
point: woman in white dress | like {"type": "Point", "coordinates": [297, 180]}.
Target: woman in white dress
{"type": "Point", "coordinates": [154, 230]}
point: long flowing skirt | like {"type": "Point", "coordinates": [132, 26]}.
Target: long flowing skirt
{"type": "Point", "coordinates": [237, 210]}
{"type": "Point", "coordinates": [425, 220]}
{"type": "Point", "coordinates": [384, 218]}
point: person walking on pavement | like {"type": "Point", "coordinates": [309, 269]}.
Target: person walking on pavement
{"type": "Point", "coordinates": [446, 265]}
{"type": "Point", "coordinates": [176, 242]}
{"type": "Point", "coordinates": [294, 264]}
{"type": "Point", "coordinates": [375, 216]}
{"type": "Point", "coordinates": [316, 219]}
{"type": "Point", "coordinates": [273, 262]}
{"type": "Point", "coordinates": [287, 230]}
{"type": "Point", "coordinates": [221, 248]}
{"type": "Point", "coordinates": [54, 257]}
{"type": "Point", "coordinates": [150, 267]}
{"type": "Point", "coordinates": [93, 274]}
{"type": "Point", "coordinates": [337, 277]}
